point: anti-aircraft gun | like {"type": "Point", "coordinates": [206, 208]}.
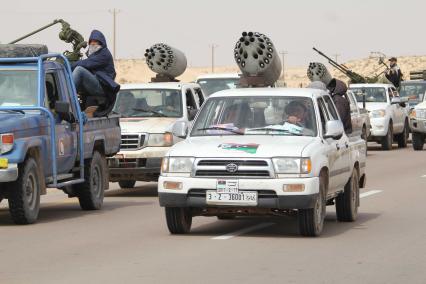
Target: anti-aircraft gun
{"type": "Point", "coordinates": [353, 76]}
{"type": "Point", "coordinates": [66, 34]}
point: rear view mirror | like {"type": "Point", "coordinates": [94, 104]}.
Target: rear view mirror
{"type": "Point", "coordinates": [334, 129]}
{"type": "Point", "coordinates": [180, 129]}
{"type": "Point", "coordinates": [63, 110]}
{"type": "Point", "coordinates": [192, 113]}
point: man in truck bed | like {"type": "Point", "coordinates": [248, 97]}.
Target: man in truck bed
{"type": "Point", "coordinates": [94, 76]}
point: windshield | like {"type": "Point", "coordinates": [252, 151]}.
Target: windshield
{"type": "Point", "coordinates": [149, 103]}
{"type": "Point", "coordinates": [213, 85]}
{"type": "Point", "coordinates": [372, 95]}
{"type": "Point", "coordinates": [256, 116]}
{"type": "Point", "coordinates": [18, 88]}
{"type": "Point", "coordinates": [413, 91]}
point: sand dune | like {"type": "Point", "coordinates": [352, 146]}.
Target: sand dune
{"type": "Point", "coordinates": [136, 71]}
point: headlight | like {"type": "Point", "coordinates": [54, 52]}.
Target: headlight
{"type": "Point", "coordinates": [177, 164]}
{"type": "Point", "coordinates": [378, 113]}
{"type": "Point", "coordinates": [420, 113]}
{"type": "Point", "coordinates": [6, 142]}
{"type": "Point", "coordinates": [292, 165]}
{"type": "Point", "coordinates": [412, 114]}
{"type": "Point", "coordinates": [160, 140]}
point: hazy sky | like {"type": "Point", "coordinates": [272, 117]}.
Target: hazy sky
{"type": "Point", "coordinates": [351, 28]}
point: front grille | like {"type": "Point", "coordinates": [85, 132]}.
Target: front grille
{"type": "Point", "coordinates": [132, 141]}
{"type": "Point", "coordinates": [224, 173]}
{"type": "Point", "coordinates": [255, 163]}
{"type": "Point", "coordinates": [198, 192]}
{"type": "Point", "coordinates": [254, 168]}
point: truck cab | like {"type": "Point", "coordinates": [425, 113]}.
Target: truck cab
{"type": "Point", "coordinates": [46, 141]}
{"type": "Point", "coordinates": [148, 113]}
{"type": "Point", "coordinates": [263, 151]}
{"type": "Point", "coordinates": [388, 113]}
{"type": "Point", "coordinates": [211, 83]}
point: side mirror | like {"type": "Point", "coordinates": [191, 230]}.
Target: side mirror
{"type": "Point", "coordinates": [396, 100]}
{"type": "Point", "coordinates": [192, 113]}
{"type": "Point", "coordinates": [63, 110]}
{"type": "Point", "coordinates": [180, 129]}
{"type": "Point", "coordinates": [334, 129]}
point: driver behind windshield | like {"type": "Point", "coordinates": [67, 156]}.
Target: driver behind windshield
{"type": "Point", "coordinates": [296, 113]}
{"type": "Point", "coordinates": [237, 114]}
{"type": "Point", "coordinates": [126, 103]}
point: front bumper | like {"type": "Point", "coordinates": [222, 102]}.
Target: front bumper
{"type": "Point", "coordinates": [9, 174]}
{"type": "Point", "coordinates": [379, 127]}
{"type": "Point", "coordinates": [270, 193]}
{"type": "Point", "coordinates": [418, 125]}
{"type": "Point", "coordinates": [143, 169]}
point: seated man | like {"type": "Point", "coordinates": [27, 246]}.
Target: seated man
{"type": "Point", "coordinates": [94, 76]}
{"type": "Point", "coordinates": [126, 103]}
{"type": "Point", "coordinates": [296, 113]}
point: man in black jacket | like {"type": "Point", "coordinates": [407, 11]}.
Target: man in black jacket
{"type": "Point", "coordinates": [338, 91]}
{"type": "Point", "coordinates": [394, 74]}
{"type": "Point", "coordinates": [94, 76]}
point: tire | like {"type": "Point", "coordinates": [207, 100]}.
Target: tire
{"type": "Point", "coordinates": [179, 220]}
{"type": "Point", "coordinates": [347, 203]}
{"type": "Point", "coordinates": [24, 196]}
{"type": "Point", "coordinates": [418, 141]}
{"type": "Point", "coordinates": [91, 193]}
{"type": "Point", "coordinates": [403, 137]}
{"type": "Point", "coordinates": [127, 183]}
{"type": "Point", "coordinates": [364, 136]}
{"type": "Point", "coordinates": [388, 139]}
{"type": "Point", "coordinates": [311, 221]}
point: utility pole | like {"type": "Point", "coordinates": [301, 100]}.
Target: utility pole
{"type": "Point", "coordinates": [336, 56]}
{"type": "Point", "coordinates": [283, 53]}
{"type": "Point", "coordinates": [114, 13]}
{"type": "Point", "coordinates": [213, 46]}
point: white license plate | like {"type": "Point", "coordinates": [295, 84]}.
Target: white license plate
{"type": "Point", "coordinates": [248, 198]}
{"type": "Point", "coordinates": [227, 186]}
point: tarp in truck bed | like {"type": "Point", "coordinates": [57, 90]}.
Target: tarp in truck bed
{"type": "Point", "coordinates": [22, 50]}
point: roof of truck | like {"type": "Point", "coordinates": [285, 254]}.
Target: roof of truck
{"type": "Point", "coordinates": [260, 92]}
{"type": "Point", "coordinates": [219, 76]}
{"type": "Point", "coordinates": [375, 85]}
{"type": "Point", "coordinates": [165, 85]}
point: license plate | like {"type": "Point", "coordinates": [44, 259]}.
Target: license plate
{"type": "Point", "coordinates": [227, 186]}
{"type": "Point", "coordinates": [248, 198]}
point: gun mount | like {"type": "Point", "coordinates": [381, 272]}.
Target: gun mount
{"type": "Point", "coordinates": [66, 34]}
{"type": "Point", "coordinates": [353, 76]}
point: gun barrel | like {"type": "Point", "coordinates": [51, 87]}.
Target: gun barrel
{"type": "Point", "coordinates": [36, 31]}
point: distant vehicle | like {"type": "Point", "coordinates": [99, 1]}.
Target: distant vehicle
{"type": "Point", "coordinates": [263, 151]}
{"type": "Point", "coordinates": [418, 125]}
{"type": "Point", "coordinates": [360, 118]}
{"type": "Point", "coordinates": [148, 113]}
{"type": "Point", "coordinates": [388, 113]}
{"type": "Point", "coordinates": [212, 83]}
{"type": "Point", "coordinates": [414, 90]}
{"type": "Point", "coordinates": [46, 141]}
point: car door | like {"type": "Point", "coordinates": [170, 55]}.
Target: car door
{"type": "Point", "coordinates": [398, 111]}
{"type": "Point", "coordinates": [66, 139]}
{"type": "Point", "coordinates": [191, 103]}
{"type": "Point", "coordinates": [199, 96]}
{"type": "Point", "coordinates": [339, 149]}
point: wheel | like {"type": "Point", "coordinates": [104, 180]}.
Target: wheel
{"type": "Point", "coordinates": [347, 203]}
{"type": "Point", "coordinates": [388, 139]}
{"type": "Point", "coordinates": [24, 196]}
{"type": "Point", "coordinates": [225, 217]}
{"type": "Point", "coordinates": [364, 136]}
{"type": "Point", "coordinates": [91, 193]}
{"type": "Point", "coordinates": [403, 137]}
{"type": "Point", "coordinates": [418, 141]}
{"type": "Point", "coordinates": [311, 221]}
{"type": "Point", "coordinates": [127, 183]}
{"type": "Point", "coordinates": [179, 220]}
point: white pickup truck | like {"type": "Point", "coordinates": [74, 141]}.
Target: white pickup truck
{"type": "Point", "coordinates": [212, 83]}
{"type": "Point", "coordinates": [418, 124]}
{"type": "Point", "coordinates": [263, 151]}
{"type": "Point", "coordinates": [148, 113]}
{"type": "Point", "coordinates": [388, 113]}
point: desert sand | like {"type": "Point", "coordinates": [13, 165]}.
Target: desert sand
{"type": "Point", "coordinates": [136, 71]}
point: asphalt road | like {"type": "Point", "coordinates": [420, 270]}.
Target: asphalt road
{"type": "Point", "coordinates": [128, 241]}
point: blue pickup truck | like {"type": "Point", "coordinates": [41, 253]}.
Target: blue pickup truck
{"type": "Point", "coordinates": [46, 141]}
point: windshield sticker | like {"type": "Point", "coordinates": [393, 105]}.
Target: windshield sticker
{"type": "Point", "coordinates": [248, 148]}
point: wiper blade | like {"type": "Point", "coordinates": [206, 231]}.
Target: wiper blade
{"type": "Point", "coordinates": [275, 129]}
{"type": "Point", "coordinates": [150, 111]}
{"type": "Point", "coordinates": [222, 128]}
{"type": "Point", "coordinates": [13, 110]}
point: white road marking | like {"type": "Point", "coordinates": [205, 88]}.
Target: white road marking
{"type": "Point", "coordinates": [368, 193]}
{"type": "Point", "coordinates": [243, 231]}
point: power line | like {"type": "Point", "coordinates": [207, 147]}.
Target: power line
{"type": "Point", "coordinates": [114, 13]}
